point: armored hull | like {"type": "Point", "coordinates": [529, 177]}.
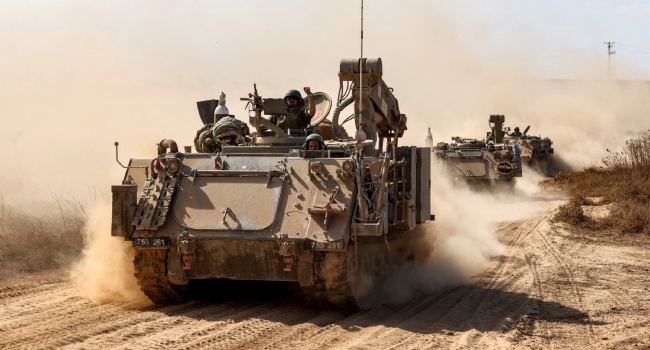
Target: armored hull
{"type": "Point", "coordinates": [533, 147]}
{"type": "Point", "coordinates": [475, 161]}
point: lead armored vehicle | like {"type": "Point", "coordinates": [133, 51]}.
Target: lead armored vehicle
{"type": "Point", "coordinates": [480, 161]}
{"type": "Point", "coordinates": [263, 207]}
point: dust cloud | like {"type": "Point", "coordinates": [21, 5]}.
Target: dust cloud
{"type": "Point", "coordinates": [461, 242]}
{"type": "Point", "coordinates": [77, 76]}
{"type": "Point", "coordinates": [105, 272]}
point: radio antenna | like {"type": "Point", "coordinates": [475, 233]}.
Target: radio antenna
{"type": "Point", "coordinates": [361, 63]}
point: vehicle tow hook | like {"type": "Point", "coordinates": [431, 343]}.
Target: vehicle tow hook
{"type": "Point", "coordinates": [187, 261]}
{"type": "Point", "coordinates": [187, 248]}
{"type": "Point", "coordinates": [288, 263]}
{"type": "Point", "coordinates": [287, 251]}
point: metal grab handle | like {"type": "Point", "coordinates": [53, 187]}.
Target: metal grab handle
{"type": "Point", "coordinates": [225, 212]}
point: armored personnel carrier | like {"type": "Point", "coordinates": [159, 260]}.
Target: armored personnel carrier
{"type": "Point", "coordinates": [265, 207]}
{"type": "Point", "coordinates": [532, 147]}
{"type": "Point", "coordinates": [480, 161]}
{"type": "Point", "coordinates": [535, 150]}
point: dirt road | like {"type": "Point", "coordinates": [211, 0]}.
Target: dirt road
{"type": "Point", "coordinates": [550, 289]}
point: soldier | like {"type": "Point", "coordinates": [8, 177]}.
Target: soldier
{"type": "Point", "coordinates": [314, 142]}
{"type": "Point", "coordinates": [516, 133]}
{"type": "Point", "coordinates": [298, 117]}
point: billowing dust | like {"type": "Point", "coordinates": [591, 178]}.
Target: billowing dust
{"type": "Point", "coordinates": [462, 240]}
{"type": "Point", "coordinates": [105, 272]}
{"type": "Point", "coordinates": [79, 78]}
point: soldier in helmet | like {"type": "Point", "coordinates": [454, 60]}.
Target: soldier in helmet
{"type": "Point", "coordinates": [298, 116]}
{"type": "Point", "coordinates": [314, 142]}
{"type": "Point", "coordinates": [516, 133]}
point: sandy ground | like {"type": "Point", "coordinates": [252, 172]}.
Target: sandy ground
{"type": "Point", "coordinates": [551, 289]}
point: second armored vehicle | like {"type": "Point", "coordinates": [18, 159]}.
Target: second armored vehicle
{"type": "Point", "coordinates": [480, 161]}
{"type": "Point", "coordinates": [535, 150]}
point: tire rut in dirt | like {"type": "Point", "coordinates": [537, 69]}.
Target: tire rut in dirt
{"type": "Point", "coordinates": [302, 334]}
{"type": "Point", "coordinates": [231, 324]}
{"type": "Point", "coordinates": [526, 329]}
{"type": "Point", "coordinates": [75, 319]}
{"type": "Point", "coordinates": [255, 331]}
{"type": "Point", "coordinates": [25, 289]}
{"type": "Point", "coordinates": [567, 274]}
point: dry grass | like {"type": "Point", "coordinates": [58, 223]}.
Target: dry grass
{"type": "Point", "coordinates": [41, 238]}
{"type": "Point", "coordinates": [624, 181]}
{"type": "Point", "coordinates": [635, 154]}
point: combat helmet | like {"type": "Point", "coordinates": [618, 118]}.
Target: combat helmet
{"type": "Point", "coordinates": [296, 94]}
{"type": "Point", "coordinates": [314, 137]}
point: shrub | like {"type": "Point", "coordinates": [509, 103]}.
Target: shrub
{"type": "Point", "coordinates": [625, 181]}
{"type": "Point", "coordinates": [41, 238]}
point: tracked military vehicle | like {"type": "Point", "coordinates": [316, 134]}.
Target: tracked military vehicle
{"type": "Point", "coordinates": [532, 147]}
{"type": "Point", "coordinates": [332, 221]}
{"type": "Point", "coordinates": [480, 161]}
{"type": "Point", "coordinates": [535, 150]}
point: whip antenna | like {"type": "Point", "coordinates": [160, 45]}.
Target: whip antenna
{"type": "Point", "coordinates": [361, 63]}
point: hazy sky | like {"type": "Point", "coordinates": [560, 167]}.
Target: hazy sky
{"type": "Point", "coordinates": [75, 76]}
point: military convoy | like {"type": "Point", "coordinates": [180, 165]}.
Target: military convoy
{"type": "Point", "coordinates": [487, 161]}
{"type": "Point", "coordinates": [261, 206]}
{"type": "Point", "coordinates": [496, 159]}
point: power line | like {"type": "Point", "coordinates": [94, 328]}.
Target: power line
{"type": "Point", "coordinates": [634, 46]}
{"type": "Point", "coordinates": [636, 51]}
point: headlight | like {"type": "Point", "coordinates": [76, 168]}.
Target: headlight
{"type": "Point", "coordinates": [347, 166]}
{"type": "Point", "coordinates": [173, 165]}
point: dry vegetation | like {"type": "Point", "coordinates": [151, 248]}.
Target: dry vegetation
{"type": "Point", "coordinates": [42, 238]}
{"type": "Point", "coordinates": [624, 181]}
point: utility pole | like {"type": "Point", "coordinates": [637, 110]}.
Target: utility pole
{"type": "Point", "coordinates": [610, 52]}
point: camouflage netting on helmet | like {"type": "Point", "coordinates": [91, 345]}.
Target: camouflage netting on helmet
{"type": "Point", "coordinates": [209, 138]}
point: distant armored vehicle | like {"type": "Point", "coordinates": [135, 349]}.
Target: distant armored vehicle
{"type": "Point", "coordinates": [478, 161]}
{"type": "Point", "coordinates": [535, 150]}
{"type": "Point", "coordinates": [267, 207]}
{"type": "Point", "coordinates": [532, 147]}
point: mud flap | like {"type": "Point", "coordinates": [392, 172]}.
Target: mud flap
{"type": "Point", "coordinates": [124, 205]}
{"type": "Point", "coordinates": [305, 268]}
{"type": "Point", "coordinates": [175, 271]}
